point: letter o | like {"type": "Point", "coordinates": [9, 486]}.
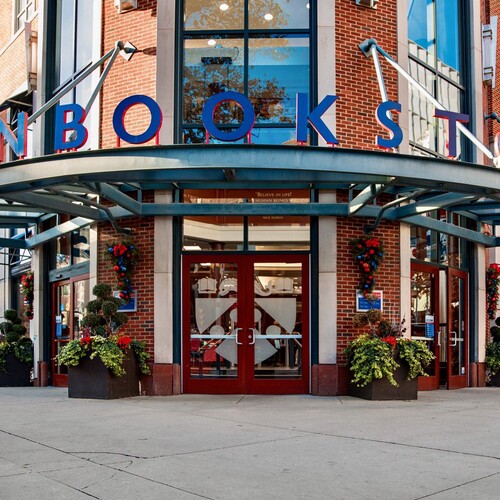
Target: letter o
{"type": "Point", "coordinates": [209, 111]}
{"type": "Point", "coordinates": [119, 117]}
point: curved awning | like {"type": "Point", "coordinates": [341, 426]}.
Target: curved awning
{"type": "Point", "coordinates": [77, 183]}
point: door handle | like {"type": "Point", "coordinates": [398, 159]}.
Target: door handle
{"type": "Point", "coordinates": [454, 343]}
{"type": "Point", "coordinates": [252, 336]}
{"type": "Point", "coordinates": [236, 330]}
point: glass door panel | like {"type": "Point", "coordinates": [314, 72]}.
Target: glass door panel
{"type": "Point", "coordinates": [425, 320]}
{"type": "Point", "coordinates": [61, 328]}
{"type": "Point", "coordinates": [277, 320]}
{"type": "Point", "coordinates": [70, 299]}
{"type": "Point", "coordinates": [457, 327]}
{"type": "Point", "coordinates": [213, 342]}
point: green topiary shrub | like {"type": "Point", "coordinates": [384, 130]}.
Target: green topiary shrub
{"type": "Point", "coordinates": [13, 339]}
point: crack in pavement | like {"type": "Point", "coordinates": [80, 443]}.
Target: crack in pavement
{"type": "Point", "coordinates": [458, 486]}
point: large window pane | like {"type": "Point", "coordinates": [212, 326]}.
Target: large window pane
{"type": "Point", "coordinates": [278, 14]}
{"type": "Point", "coordinates": [448, 33]}
{"type": "Point", "coordinates": [278, 69]}
{"type": "Point", "coordinates": [213, 14]}
{"type": "Point", "coordinates": [421, 23]}
{"type": "Point", "coordinates": [65, 60]}
{"type": "Point", "coordinates": [212, 66]}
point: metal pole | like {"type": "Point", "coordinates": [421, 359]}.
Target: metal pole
{"type": "Point", "coordinates": [74, 83]}
{"type": "Point", "coordinates": [432, 99]}
{"type": "Point", "coordinates": [380, 76]}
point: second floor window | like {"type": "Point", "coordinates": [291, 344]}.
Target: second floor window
{"type": "Point", "coordinates": [435, 50]}
{"type": "Point", "coordinates": [259, 49]}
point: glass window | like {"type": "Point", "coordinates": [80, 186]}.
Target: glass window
{"type": "Point", "coordinates": [431, 246]}
{"type": "Point", "coordinates": [73, 47]}
{"type": "Point", "coordinates": [24, 10]}
{"type": "Point", "coordinates": [73, 248]}
{"type": "Point", "coordinates": [258, 233]}
{"type": "Point", "coordinates": [259, 49]}
{"type": "Point", "coordinates": [435, 52]}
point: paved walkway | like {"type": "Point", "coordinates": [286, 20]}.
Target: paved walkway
{"type": "Point", "coordinates": [445, 445]}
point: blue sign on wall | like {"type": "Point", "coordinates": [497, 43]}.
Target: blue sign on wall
{"type": "Point", "coordinates": [131, 306]}
{"type": "Point", "coordinates": [375, 302]}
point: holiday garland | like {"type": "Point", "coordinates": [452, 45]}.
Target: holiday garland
{"type": "Point", "coordinates": [123, 257]}
{"type": "Point", "coordinates": [28, 291]}
{"type": "Point", "coordinates": [492, 282]}
{"type": "Point", "coordinates": [368, 253]}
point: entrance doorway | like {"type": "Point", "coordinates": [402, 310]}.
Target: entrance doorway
{"type": "Point", "coordinates": [69, 299]}
{"type": "Point", "coordinates": [439, 306]}
{"type": "Point", "coordinates": [245, 324]}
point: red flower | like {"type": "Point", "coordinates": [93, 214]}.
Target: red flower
{"type": "Point", "coordinates": [390, 340]}
{"type": "Point", "coordinates": [124, 342]}
{"type": "Point", "coordinates": [85, 341]}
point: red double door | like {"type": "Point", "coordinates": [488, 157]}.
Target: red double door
{"type": "Point", "coordinates": [245, 324]}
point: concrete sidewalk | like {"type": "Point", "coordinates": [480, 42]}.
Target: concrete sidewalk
{"type": "Point", "coordinates": [445, 445]}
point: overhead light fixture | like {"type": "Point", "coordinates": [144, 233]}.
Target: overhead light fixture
{"type": "Point", "coordinates": [191, 248]}
{"type": "Point", "coordinates": [223, 6]}
{"type": "Point", "coordinates": [125, 5]}
{"type": "Point", "coordinates": [211, 42]}
{"type": "Point", "coordinates": [371, 4]}
{"type": "Point", "coordinates": [268, 17]}
{"type": "Point", "coordinates": [308, 6]}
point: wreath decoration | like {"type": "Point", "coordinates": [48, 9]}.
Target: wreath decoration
{"type": "Point", "coordinates": [368, 252]}
{"type": "Point", "coordinates": [492, 282]}
{"type": "Point", "coordinates": [123, 257]}
{"type": "Point", "coordinates": [28, 292]}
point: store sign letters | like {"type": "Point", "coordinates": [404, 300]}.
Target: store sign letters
{"type": "Point", "coordinates": [71, 133]}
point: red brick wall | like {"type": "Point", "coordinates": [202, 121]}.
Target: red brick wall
{"type": "Point", "coordinates": [357, 127]}
{"type": "Point", "coordinates": [141, 323]}
{"type": "Point", "coordinates": [387, 277]}
{"type": "Point", "coordinates": [126, 78]}
{"type": "Point", "coordinates": [356, 80]}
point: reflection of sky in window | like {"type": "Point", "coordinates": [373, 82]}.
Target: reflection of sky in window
{"type": "Point", "coordinates": [422, 28]}
{"type": "Point", "coordinates": [287, 66]}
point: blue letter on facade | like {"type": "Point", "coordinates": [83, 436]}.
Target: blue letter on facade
{"type": "Point", "coordinates": [19, 144]}
{"type": "Point", "coordinates": [209, 111]}
{"type": "Point", "coordinates": [119, 117]}
{"type": "Point", "coordinates": [63, 126]}
{"type": "Point", "coordinates": [314, 118]}
{"type": "Point", "coordinates": [452, 118]}
{"type": "Point", "coordinates": [384, 119]}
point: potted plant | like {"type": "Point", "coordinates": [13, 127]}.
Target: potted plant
{"type": "Point", "coordinates": [493, 355]}
{"type": "Point", "coordinates": [385, 365]}
{"type": "Point", "coordinates": [16, 352]}
{"type": "Point", "coordinates": [104, 364]}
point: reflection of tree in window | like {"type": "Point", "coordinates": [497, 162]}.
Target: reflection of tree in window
{"type": "Point", "coordinates": [263, 14]}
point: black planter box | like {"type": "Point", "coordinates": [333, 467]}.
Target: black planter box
{"type": "Point", "coordinates": [495, 380]}
{"type": "Point", "coordinates": [18, 373]}
{"type": "Point", "coordinates": [382, 390]}
{"type": "Point", "coordinates": [91, 379]}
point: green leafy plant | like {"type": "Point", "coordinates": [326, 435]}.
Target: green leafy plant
{"type": "Point", "coordinates": [493, 351]}
{"type": "Point", "coordinates": [493, 358]}
{"type": "Point", "coordinates": [13, 339]}
{"type": "Point", "coordinates": [377, 353]}
{"type": "Point", "coordinates": [101, 325]}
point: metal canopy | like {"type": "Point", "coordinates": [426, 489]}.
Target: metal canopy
{"type": "Point", "coordinates": [107, 185]}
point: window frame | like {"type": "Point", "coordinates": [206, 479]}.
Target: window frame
{"type": "Point", "coordinates": [246, 34]}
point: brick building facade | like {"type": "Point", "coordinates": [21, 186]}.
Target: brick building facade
{"type": "Point", "coordinates": [305, 48]}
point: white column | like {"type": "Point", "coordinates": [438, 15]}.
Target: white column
{"type": "Point", "coordinates": [405, 278]}
{"type": "Point", "coordinates": [327, 280]}
{"type": "Point", "coordinates": [163, 257]}
{"type": "Point", "coordinates": [480, 287]}
{"type": "Point", "coordinates": [165, 67]}
{"type": "Point", "coordinates": [94, 254]}
{"type": "Point", "coordinates": [403, 86]}
{"type": "Point", "coordinates": [36, 324]}
{"type": "Point", "coordinates": [326, 59]}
